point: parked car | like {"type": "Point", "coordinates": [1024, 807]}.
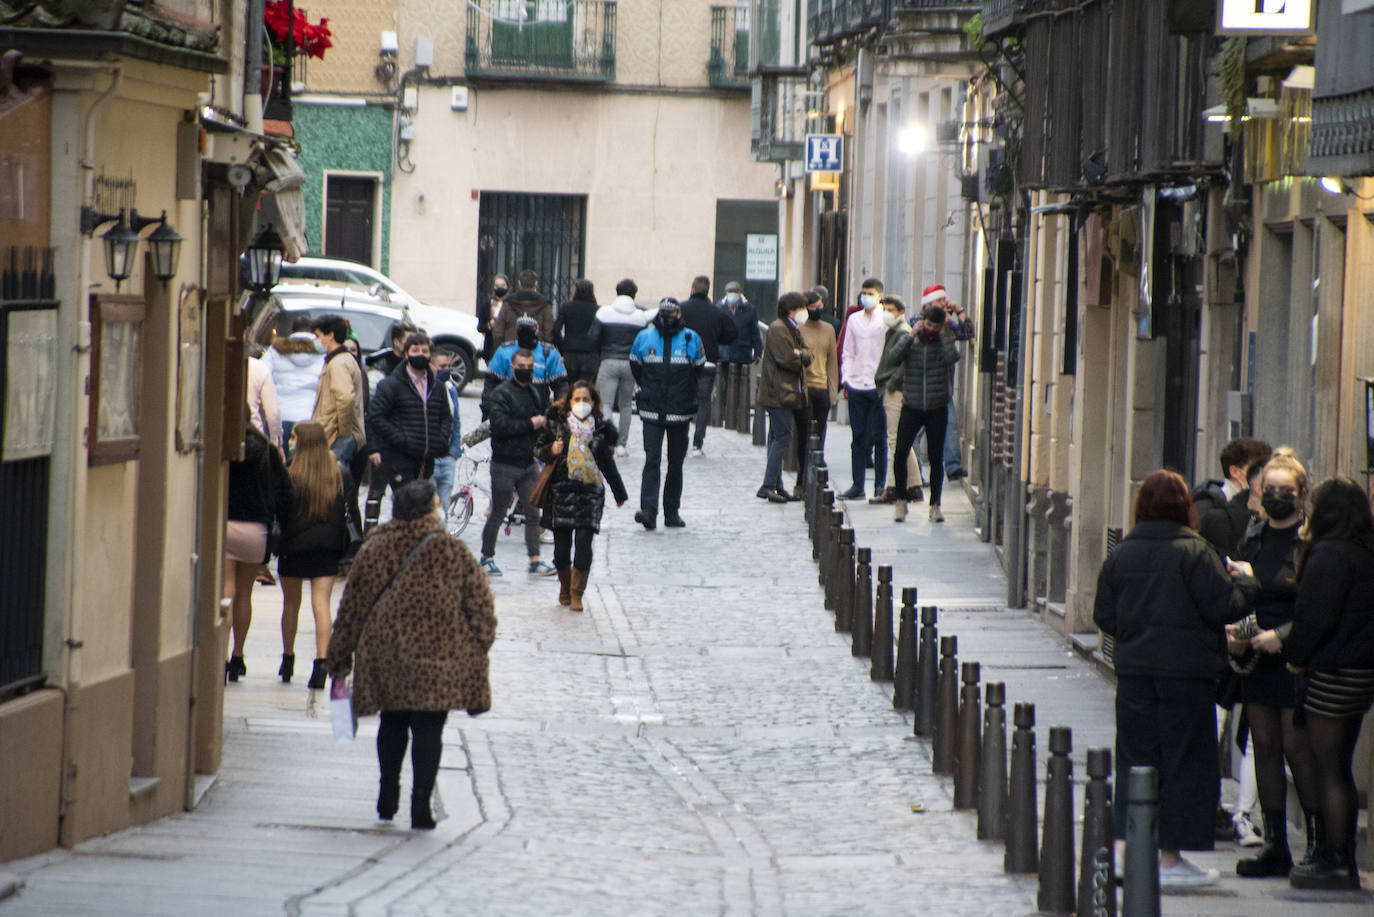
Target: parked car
{"type": "Point", "coordinates": [355, 284]}
{"type": "Point", "coordinates": [371, 320]}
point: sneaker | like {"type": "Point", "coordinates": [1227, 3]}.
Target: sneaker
{"type": "Point", "coordinates": [621, 452]}
{"type": "Point", "coordinates": [698, 452]}
{"type": "Point", "coordinates": [1246, 835]}
{"type": "Point", "coordinates": [489, 567]}
{"type": "Point", "coordinates": [853, 493]}
{"type": "Point", "coordinates": [1184, 874]}
{"type": "Point", "coordinates": [539, 568]}
{"type": "Point", "coordinates": [545, 537]}
{"type": "Point", "coordinates": [936, 515]}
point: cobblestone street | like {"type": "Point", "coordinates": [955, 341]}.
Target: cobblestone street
{"type": "Point", "coordinates": [698, 742]}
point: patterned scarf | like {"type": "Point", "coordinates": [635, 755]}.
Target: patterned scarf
{"type": "Point", "coordinates": [581, 462]}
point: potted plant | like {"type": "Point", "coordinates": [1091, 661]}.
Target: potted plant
{"type": "Point", "coordinates": [287, 26]}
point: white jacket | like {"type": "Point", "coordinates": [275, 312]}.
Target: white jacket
{"type": "Point", "coordinates": [296, 368]}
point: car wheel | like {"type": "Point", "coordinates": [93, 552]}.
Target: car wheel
{"type": "Point", "coordinates": [464, 368]}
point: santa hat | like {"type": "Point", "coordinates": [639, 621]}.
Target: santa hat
{"type": "Point", "coordinates": [932, 293]}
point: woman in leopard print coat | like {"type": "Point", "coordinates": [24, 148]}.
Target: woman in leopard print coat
{"type": "Point", "coordinates": [417, 648]}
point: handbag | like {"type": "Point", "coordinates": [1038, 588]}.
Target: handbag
{"type": "Point", "coordinates": [542, 490]}
{"type": "Point", "coordinates": [1246, 628]}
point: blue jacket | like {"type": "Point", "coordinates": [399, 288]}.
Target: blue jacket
{"type": "Point", "coordinates": [667, 374]}
{"type": "Point", "coordinates": [748, 344]}
{"type": "Point", "coordinates": [455, 441]}
{"type": "Point", "coordinates": [549, 373]}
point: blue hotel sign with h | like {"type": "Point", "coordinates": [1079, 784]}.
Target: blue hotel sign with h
{"type": "Point", "coordinates": [824, 152]}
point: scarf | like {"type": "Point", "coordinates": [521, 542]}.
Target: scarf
{"type": "Point", "coordinates": [581, 462]}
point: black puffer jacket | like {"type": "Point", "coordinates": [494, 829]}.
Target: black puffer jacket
{"type": "Point", "coordinates": [1166, 598]}
{"type": "Point", "coordinates": [259, 487]}
{"type": "Point", "coordinates": [399, 423]}
{"type": "Point", "coordinates": [925, 383]}
{"type": "Point", "coordinates": [1221, 521]}
{"type": "Point", "coordinates": [1333, 621]}
{"type": "Point", "coordinates": [576, 504]}
{"type": "Point", "coordinates": [303, 534]}
{"type": "Point", "coordinates": [512, 434]}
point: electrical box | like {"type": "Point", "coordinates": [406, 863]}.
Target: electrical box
{"type": "Point", "coordinates": [424, 52]}
{"type": "Point", "coordinates": [389, 43]}
{"type": "Point", "coordinates": [410, 99]}
{"type": "Point", "coordinates": [458, 101]}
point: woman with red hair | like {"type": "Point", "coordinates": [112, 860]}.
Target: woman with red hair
{"type": "Point", "coordinates": [1165, 597]}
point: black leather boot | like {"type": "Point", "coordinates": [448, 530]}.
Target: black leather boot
{"type": "Point", "coordinates": [288, 667]}
{"type": "Point", "coordinates": [1330, 869]}
{"type": "Point", "coordinates": [1274, 858]}
{"type": "Point", "coordinates": [421, 819]}
{"type": "Point", "coordinates": [1314, 832]}
{"type": "Point", "coordinates": [317, 676]}
{"type": "Point", "coordinates": [389, 797]}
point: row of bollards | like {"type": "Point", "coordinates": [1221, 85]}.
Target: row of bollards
{"type": "Point", "coordinates": [967, 725]}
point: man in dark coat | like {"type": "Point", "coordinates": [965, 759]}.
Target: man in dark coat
{"type": "Point", "coordinates": [408, 420]}
{"type": "Point", "coordinates": [715, 328]}
{"type": "Point", "coordinates": [517, 413]}
{"type": "Point", "coordinates": [665, 360]}
{"type": "Point", "coordinates": [526, 300]}
{"type": "Point", "coordinates": [1221, 505]}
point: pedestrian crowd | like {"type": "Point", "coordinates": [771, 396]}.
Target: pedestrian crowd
{"type": "Point", "coordinates": [1255, 592]}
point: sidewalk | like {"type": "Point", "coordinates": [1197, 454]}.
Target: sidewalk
{"type": "Point", "coordinates": [700, 741]}
{"type": "Point", "coordinates": [953, 569]}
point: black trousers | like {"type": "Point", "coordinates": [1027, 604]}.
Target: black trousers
{"type": "Point", "coordinates": [1170, 724]}
{"type": "Point", "coordinates": [654, 434]}
{"type": "Point", "coordinates": [395, 732]}
{"type": "Point", "coordinates": [582, 367]}
{"type": "Point", "coordinates": [912, 422]}
{"type": "Point", "coordinates": [818, 405]}
{"type": "Point", "coordinates": [573, 547]}
{"type": "Point", "coordinates": [706, 381]}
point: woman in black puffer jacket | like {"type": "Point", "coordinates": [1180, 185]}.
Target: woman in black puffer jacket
{"type": "Point", "coordinates": [581, 444]}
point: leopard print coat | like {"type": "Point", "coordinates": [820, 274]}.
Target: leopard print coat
{"type": "Point", "coordinates": [423, 644]}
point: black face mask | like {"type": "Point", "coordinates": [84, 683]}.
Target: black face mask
{"type": "Point", "coordinates": [527, 339]}
{"type": "Point", "coordinates": [671, 323]}
{"type": "Point", "coordinates": [815, 314]}
{"type": "Point", "coordinates": [1278, 506]}
{"type": "Point", "coordinates": [523, 376]}
{"type": "Point", "coordinates": [499, 292]}
{"type": "Point", "coordinates": [418, 362]}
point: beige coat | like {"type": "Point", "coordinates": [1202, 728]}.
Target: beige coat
{"type": "Point", "coordinates": [824, 369]}
{"type": "Point", "coordinates": [339, 399]}
{"type": "Point", "coordinates": [423, 644]}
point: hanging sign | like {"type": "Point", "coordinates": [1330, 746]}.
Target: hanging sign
{"type": "Point", "coordinates": [1264, 17]}
{"type": "Point", "coordinates": [824, 152]}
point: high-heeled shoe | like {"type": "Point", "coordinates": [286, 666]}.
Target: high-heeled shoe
{"type": "Point", "coordinates": [288, 667]}
{"type": "Point", "coordinates": [234, 669]}
{"type": "Point", "coordinates": [317, 675]}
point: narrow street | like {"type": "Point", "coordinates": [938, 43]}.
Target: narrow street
{"type": "Point", "coordinates": [700, 741]}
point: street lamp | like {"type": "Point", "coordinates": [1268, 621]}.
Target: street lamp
{"type": "Point", "coordinates": [165, 244]}
{"type": "Point", "coordinates": [912, 140]}
{"type": "Point", "coordinates": [264, 261]}
{"type": "Point", "coordinates": [120, 244]}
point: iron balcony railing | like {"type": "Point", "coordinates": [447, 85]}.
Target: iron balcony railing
{"type": "Point", "coordinates": [566, 40]}
{"type": "Point", "coordinates": [832, 20]}
{"type": "Point", "coordinates": [1001, 16]}
{"type": "Point", "coordinates": [778, 115]}
{"type": "Point", "coordinates": [728, 67]}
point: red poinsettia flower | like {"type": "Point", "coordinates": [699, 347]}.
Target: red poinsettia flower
{"type": "Point", "coordinates": [311, 39]}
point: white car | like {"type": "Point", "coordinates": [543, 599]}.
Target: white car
{"type": "Point", "coordinates": [312, 278]}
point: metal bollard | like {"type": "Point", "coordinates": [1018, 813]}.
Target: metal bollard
{"type": "Point", "coordinates": [1021, 855]}
{"type": "Point", "coordinates": [861, 605]}
{"type": "Point", "coordinates": [717, 398]}
{"type": "Point", "coordinates": [816, 481]}
{"type": "Point", "coordinates": [832, 565]}
{"type": "Point", "coordinates": [905, 681]}
{"type": "Point", "coordinates": [844, 583]}
{"type": "Point", "coordinates": [927, 673]}
{"type": "Point", "coordinates": [1097, 871]}
{"type": "Point", "coordinates": [825, 501]}
{"type": "Point", "coordinates": [881, 669]}
{"type": "Point", "coordinates": [730, 375]}
{"type": "Point", "coordinates": [742, 394]}
{"type": "Point", "coordinates": [946, 709]}
{"type": "Point", "coordinates": [828, 537]}
{"type": "Point", "coordinates": [968, 747]}
{"type": "Point", "coordinates": [992, 792]}
{"type": "Point", "coordinates": [1140, 889]}
{"type": "Point", "coordinates": [760, 415]}
{"type": "Point", "coordinates": [1056, 894]}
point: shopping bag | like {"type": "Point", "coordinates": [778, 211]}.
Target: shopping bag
{"type": "Point", "coordinates": [341, 712]}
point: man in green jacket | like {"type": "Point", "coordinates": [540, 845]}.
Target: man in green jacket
{"type": "Point", "coordinates": [889, 376]}
{"type": "Point", "coordinates": [927, 353]}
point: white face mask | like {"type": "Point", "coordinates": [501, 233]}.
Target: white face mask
{"type": "Point", "coordinates": [889, 319]}
{"type": "Point", "coordinates": [868, 302]}
{"type": "Point", "coordinates": [799, 317]}
{"type": "Point", "coordinates": [582, 409]}
{"type": "Point", "coordinates": [732, 298]}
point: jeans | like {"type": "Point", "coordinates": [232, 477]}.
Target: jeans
{"type": "Point", "coordinates": [654, 434]}
{"type": "Point", "coordinates": [617, 386]}
{"type": "Point", "coordinates": [954, 461]}
{"type": "Point", "coordinates": [573, 547]}
{"type": "Point", "coordinates": [505, 479]}
{"type": "Point", "coordinates": [1171, 724]}
{"type": "Point", "coordinates": [582, 367]}
{"type": "Point", "coordinates": [818, 415]}
{"type": "Point", "coordinates": [780, 422]}
{"type": "Point", "coordinates": [706, 381]}
{"type": "Point", "coordinates": [868, 429]}
{"type": "Point", "coordinates": [394, 733]}
{"type": "Point", "coordinates": [892, 409]}
{"type": "Point", "coordinates": [443, 481]}
{"type": "Point", "coordinates": [912, 422]}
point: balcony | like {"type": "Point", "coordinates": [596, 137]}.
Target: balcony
{"type": "Point", "coordinates": [833, 20]}
{"type": "Point", "coordinates": [1003, 16]}
{"type": "Point", "coordinates": [571, 40]}
{"type": "Point", "coordinates": [778, 114]}
{"type": "Point", "coordinates": [728, 67]}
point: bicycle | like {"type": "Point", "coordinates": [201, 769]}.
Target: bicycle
{"type": "Point", "coordinates": [467, 472]}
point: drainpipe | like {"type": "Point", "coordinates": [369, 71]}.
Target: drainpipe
{"type": "Point", "coordinates": [252, 66]}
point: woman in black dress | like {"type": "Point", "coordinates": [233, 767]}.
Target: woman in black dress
{"type": "Point", "coordinates": [582, 444]}
{"type": "Point", "coordinates": [1267, 556]}
{"type": "Point", "coordinates": [314, 539]}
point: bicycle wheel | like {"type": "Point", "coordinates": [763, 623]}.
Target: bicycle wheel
{"type": "Point", "coordinates": [459, 513]}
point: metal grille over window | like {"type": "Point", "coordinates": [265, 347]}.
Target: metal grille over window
{"type": "Point", "coordinates": [545, 232]}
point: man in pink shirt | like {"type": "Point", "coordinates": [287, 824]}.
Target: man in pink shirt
{"type": "Point", "coordinates": [861, 346]}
